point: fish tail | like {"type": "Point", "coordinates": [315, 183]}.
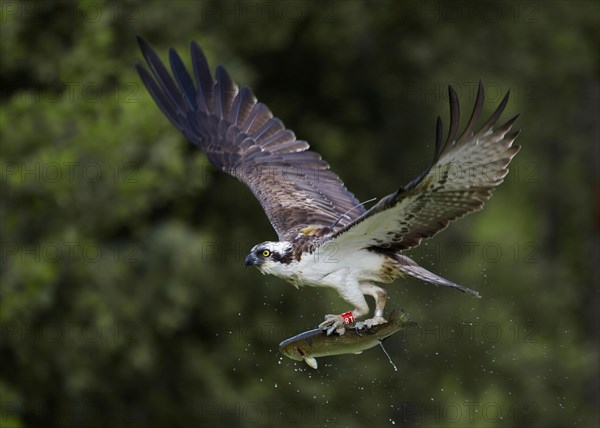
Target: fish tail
{"type": "Point", "coordinates": [400, 318]}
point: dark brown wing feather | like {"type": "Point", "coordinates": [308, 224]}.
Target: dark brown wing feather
{"type": "Point", "coordinates": [461, 178]}
{"type": "Point", "coordinates": [241, 137]}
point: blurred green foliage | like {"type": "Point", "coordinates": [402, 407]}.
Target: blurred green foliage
{"type": "Point", "coordinates": [124, 301]}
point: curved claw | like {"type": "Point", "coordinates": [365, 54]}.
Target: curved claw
{"type": "Point", "coordinates": [333, 323]}
{"type": "Point", "coordinates": [361, 326]}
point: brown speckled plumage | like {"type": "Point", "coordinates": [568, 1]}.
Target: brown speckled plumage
{"type": "Point", "coordinates": [326, 237]}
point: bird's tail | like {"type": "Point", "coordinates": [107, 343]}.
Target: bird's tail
{"type": "Point", "coordinates": [409, 267]}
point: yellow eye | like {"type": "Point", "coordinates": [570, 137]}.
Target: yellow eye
{"type": "Point", "coordinates": [266, 253]}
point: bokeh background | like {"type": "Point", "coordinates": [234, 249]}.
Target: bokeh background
{"type": "Point", "coordinates": [124, 299]}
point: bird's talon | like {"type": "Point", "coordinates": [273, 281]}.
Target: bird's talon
{"type": "Point", "coordinates": [333, 323]}
{"type": "Point", "coordinates": [376, 320]}
{"type": "Point", "coordinates": [360, 326]}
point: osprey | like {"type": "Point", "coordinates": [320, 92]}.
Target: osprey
{"type": "Point", "coordinates": [326, 236]}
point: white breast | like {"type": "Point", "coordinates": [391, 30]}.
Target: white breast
{"type": "Point", "coordinates": [329, 267]}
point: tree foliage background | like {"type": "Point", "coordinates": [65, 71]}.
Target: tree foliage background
{"type": "Point", "coordinates": [124, 300]}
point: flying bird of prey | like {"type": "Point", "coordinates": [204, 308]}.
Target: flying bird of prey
{"type": "Point", "coordinates": [327, 238]}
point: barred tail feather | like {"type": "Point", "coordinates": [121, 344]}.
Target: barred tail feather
{"type": "Point", "coordinates": [409, 267]}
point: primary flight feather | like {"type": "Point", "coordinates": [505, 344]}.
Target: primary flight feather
{"type": "Point", "coordinates": [326, 237]}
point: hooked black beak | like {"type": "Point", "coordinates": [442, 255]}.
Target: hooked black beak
{"type": "Point", "coordinates": [250, 260]}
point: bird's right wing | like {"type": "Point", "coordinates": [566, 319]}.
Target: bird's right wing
{"type": "Point", "coordinates": [240, 136]}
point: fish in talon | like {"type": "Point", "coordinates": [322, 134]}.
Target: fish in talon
{"type": "Point", "coordinates": [311, 344]}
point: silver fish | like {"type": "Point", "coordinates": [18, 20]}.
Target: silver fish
{"type": "Point", "coordinates": [315, 343]}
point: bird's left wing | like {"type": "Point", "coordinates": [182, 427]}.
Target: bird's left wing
{"type": "Point", "coordinates": [464, 173]}
{"type": "Point", "coordinates": [241, 137]}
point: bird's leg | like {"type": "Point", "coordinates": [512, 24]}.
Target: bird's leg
{"type": "Point", "coordinates": [338, 323]}
{"type": "Point", "coordinates": [380, 296]}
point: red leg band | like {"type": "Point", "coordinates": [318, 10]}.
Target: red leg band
{"type": "Point", "coordinates": [348, 317]}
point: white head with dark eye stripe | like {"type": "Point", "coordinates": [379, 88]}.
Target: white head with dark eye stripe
{"type": "Point", "coordinates": [268, 255]}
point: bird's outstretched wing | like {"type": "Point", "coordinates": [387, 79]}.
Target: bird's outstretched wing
{"type": "Point", "coordinates": [241, 137]}
{"type": "Point", "coordinates": [464, 172]}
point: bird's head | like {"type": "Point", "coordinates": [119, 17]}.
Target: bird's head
{"type": "Point", "coordinates": [269, 256]}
